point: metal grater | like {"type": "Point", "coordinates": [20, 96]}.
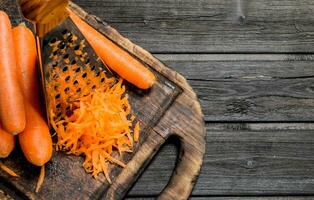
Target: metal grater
{"type": "Point", "coordinates": [69, 69]}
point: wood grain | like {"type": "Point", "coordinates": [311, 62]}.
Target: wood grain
{"type": "Point", "coordinates": [214, 27]}
{"type": "Point", "coordinates": [255, 87]}
{"type": "Point", "coordinates": [165, 110]}
{"type": "Point", "coordinates": [175, 121]}
{"type": "Point", "coordinates": [244, 159]}
{"type": "Point", "coordinates": [211, 26]}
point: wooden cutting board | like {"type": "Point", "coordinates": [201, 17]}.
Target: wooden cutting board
{"type": "Point", "coordinates": [170, 108]}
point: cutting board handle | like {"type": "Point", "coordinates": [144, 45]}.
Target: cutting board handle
{"type": "Point", "coordinates": [183, 178]}
{"type": "Point", "coordinates": [189, 163]}
{"type": "Point", "coordinates": [185, 120]}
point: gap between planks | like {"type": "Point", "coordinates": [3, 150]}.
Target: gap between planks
{"type": "Point", "coordinates": [235, 57]}
{"type": "Point", "coordinates": [249, 87]}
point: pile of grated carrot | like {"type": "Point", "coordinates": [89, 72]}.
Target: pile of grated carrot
{"type": "Point", "coordinates": [98, 124]}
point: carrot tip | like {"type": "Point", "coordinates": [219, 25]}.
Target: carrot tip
{"type": "Point", "coordinates": [40, 179]}
{"type": "Point", "coordinates": [8, 170]}
{"type": "Point", "coordinates": [15, 133]}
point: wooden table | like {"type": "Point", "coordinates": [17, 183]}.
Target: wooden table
{"type": "Point", "coordinates": [252, 65]}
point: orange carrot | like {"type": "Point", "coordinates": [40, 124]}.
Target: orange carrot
{"type": "Point", "coordinates": [12, 111]}
{"type": "Point", "coordinates": [40, 179]}
{"type": "Point", "coordinates": [7, 143]}
{"type": "Point", "coordinates": [116, 58]}
{"type": "Point", "coordinates": [26, 59]}
{"type": "Point", "coordinates": [136, 132]}
{"type": "Point", "coordinates": [8, 170]}
{"type": "Point", "coordinates": [35, 140]}
{"type": "Point", "coordinates": [93, 125]}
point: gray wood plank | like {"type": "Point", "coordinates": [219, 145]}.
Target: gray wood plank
{"type": "Point", "coordinates": [232, 198]}
{"type": "Point", "coordinates": [255, 87]}
{"type": "Point", "coordinates": [244, 159]}
{"type": "Point", "coordinates": [211, 26]}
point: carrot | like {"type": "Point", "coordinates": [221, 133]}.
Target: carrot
{"type": "Point", "coordinates": [116, 58]}
{"type": "Point", "coordinates": [35, 140]}
{"type": "Point", "coordinates": [40, 179]}
{"type": "Point", "coordinates": [95, 124]}
{"type": "Point", "coordinates": [7, 143]}
{"type": "Point", "coordinates": [26, 55]}
{"type": "Point", "coordinates": [8, 170]}
{"type": "Point", "coordinates": [136, 132]}
{"type": "Point", "coordinates": [12, 111]}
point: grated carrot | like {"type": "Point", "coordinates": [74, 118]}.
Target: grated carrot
{"type": "Point", "coordinates": [8, 170]}
{"type": "Point", "coordinates": [137, 132]}
{"type": "Point", "coordinates": [99, 126]}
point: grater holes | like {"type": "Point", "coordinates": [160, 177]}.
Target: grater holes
{"type": "Point", "coordinates": [93, 68]}
{"type": "Point", "coordinates": [84, 75]}
{"type": "Point", "coordinates": [87, 61]}
{"type": "Point", "coordinates": [77, 47]}
{"type": "Point", "coordinates": [75, 82]}
{"type": "Point", "coordinates": [65, 32]}
{"type": "Point", "coordinates": [59, 115]}
{"type": "Point", "coordinates": [102, 80]}
{"type": "Point", "coordinates": [65, 69]}
{"type": "Point", "coordinates": [66, 58]}
{"type": "Point", "coordinates": [62, 46]}
{"type": "Point", "coordinates": [55, 76]}
{"type": "Point", "coordinates": [73, 62]}
{"type": "Point", "coordinates": [97, 74]}
{"type": "Point", "coordinates": [78, 70]}
{"type": "Point", "coordinates": [69, 113]}
{"type": "Point", "coordinates": [55, 64]}
{"type": "Point", "coordinates": [58, 106]}
{"type": "Point", "coordinates": [78, 90]}
{"type": "Point", "coordinates": [57, 96]}
{"type": "Point", "coordinates": [94, 87]}
{"type": "Point", "coordinates": [71, 41]}
{"type": "Point", "coordinates": [67, 78]}
{"type": "Point", "coordinates": [67, 89]}
{"type": "Point", "coordinates": [54, 53]}
{"type": "Point", "coordinates": [53, 41]}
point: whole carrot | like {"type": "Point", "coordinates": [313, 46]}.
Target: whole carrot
{"type": "Point", "coordinates": [12, 111]}
{"type": "Point", "coordinates": [7, 143]}
{"type": "Point", "coordinates": [35, 140]}
{"type": "Point", "coordinates": [116, 58]}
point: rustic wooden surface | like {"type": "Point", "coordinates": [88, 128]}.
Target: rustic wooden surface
{"type": "Point", "coordinates": [169, 109]}
{"type": "Point", "coordinates": [259, 140]}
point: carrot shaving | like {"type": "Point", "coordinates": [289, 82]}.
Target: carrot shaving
{"type": "Point", "coordinates": [95, 122]}
{"type": "Point", "coordinates": [40, 179]}
{"type": "Point", "coordinates": [137, 132]}
{"type": "Point", "coordinates": [8, 170]}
